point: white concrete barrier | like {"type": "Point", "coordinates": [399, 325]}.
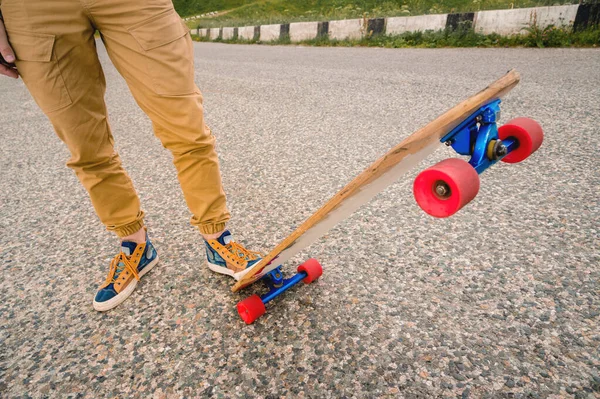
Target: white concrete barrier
{"type": "Point", "coordinates": [346, 29]}
{"type": "Point", "coordinates": [214, 33]}
{"type": "Point", "coordinates": [511, 22]}
{"type": "Point", "coordinates": [203, 32]}
{"type": "Point", "coordinates": [246, 32]}
{"type": "Point", "coordinates": [557, 16]}
{"type": "Point", "coordinates": [269, 33]}
{"type": "Point", "coordinates": [398, 25]}
{"type": "Point", "coordinates": [300, 31]}
{"type": "Point", "coordinates": [227, 33]}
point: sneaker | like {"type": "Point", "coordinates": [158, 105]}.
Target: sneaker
{"type": "Point", "coordinates": [126, 269]}
{"type": "Point", "coordinates": [228, 257]}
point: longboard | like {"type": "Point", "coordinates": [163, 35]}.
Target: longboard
{"type": "Point", "coordinates": [459, 127]}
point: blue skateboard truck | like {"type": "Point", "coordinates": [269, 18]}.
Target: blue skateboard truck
{"type": "Point", "coordinates": [443, 189]}
{"type": "Point", "coordinates": [253, 307]}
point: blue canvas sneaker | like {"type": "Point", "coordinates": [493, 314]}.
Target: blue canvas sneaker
{"type": "Point", "coordinates": [228, 257]}
{"type": "Point", "coordinates": [125, 271]}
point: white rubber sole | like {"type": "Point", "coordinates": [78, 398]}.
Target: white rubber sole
{"type": "Point", "coordinates": [121, 296]}
{"type": "Point", "coordinates": [228, 272]}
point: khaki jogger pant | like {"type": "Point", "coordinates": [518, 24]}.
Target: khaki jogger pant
{"type": "Point", "coordinates": [151, 48]}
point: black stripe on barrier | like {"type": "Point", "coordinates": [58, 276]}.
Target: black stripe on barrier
{"type": "Point", "coordinates": [284, 31]}
{"type": "Point", "coordinates": [256, 32]}
{"type": "Point", "coordinates": [221, 33]}
{"type": "Point", "coordinates": [323, 29]}
{"type": "Point", "coordinates": [235, 33]}
{"type": "Point", "coordinates": [588, 15]}
{"type": "Point", "coordinates": [376, 26]}
{"type": "Point", "coordinates": [455, 20]}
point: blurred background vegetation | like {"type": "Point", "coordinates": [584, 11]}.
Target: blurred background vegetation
{"type": "Point", "coordinates": [248, 12]}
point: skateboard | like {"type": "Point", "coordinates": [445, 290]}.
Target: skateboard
{"type": "Point", "coordinates": [470, 128]}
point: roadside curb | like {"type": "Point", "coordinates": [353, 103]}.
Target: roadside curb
{"type": "Point", "coordinates": [502, 22]}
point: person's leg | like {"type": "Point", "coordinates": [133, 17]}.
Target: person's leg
{"type": "Point", "coordinates": [56, 57]}
{"type": "Point", "coordinates": [152, 49]}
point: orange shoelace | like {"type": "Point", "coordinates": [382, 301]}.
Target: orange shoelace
{"type": "Point", "coordinates": [115, 270]}
{"type": "Point", "coordinates": [242, 252]}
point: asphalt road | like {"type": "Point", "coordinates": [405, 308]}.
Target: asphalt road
{"type": "Point", "coordinates": [501, 300]}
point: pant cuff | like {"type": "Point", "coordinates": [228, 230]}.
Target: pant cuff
{"type": "Point", "coordinates": [212, 228]}
{"type": "Point", "coordinates": [128, 229]}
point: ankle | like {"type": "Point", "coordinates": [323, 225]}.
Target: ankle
{"type": "Point", "coordinates": [212, 236]}
{"type": "Point", "coordinates": [139, 237]}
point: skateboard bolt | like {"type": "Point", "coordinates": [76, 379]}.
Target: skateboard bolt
{"type": "Point", "coordinates": [501, 150]}
{"type": "Point", "coordinates": [442, 190]}
{"type": "Point", "coordinates": [496, 150]}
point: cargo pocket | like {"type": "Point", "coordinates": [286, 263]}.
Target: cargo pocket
{"type": "Point", "coordinates": [38, 66]}
{"type": "Point", "coordinates": [168, 51]}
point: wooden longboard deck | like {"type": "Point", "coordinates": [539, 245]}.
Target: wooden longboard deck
{"type": "Point", "coordinates": [382, 173]}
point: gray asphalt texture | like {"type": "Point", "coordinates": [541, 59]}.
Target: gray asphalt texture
{"type": "Point", "coordinates": [499, 301]}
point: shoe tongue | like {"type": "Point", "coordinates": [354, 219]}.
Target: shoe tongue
{"type": "Point", "coordinates": [225, 238]}
{"type": "Point", "coordinates": [128, 247]}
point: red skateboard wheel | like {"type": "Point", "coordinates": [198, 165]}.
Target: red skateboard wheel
{"type": "Point", "coordinates": [527, 132]}
{"type": "Point", "coordinates": [251, 309]}
{"type": "Point", "coordinates": [446, 187]}
{"type": "Point", "coordinates": [313, 270]}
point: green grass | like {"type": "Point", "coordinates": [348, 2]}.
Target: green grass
{"type": "Point", "coordinates": [197, 7]}
{"type": "Point", "coordinates": [261, 12]}
{"type": "Point", "coordinates": [464, 36]}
